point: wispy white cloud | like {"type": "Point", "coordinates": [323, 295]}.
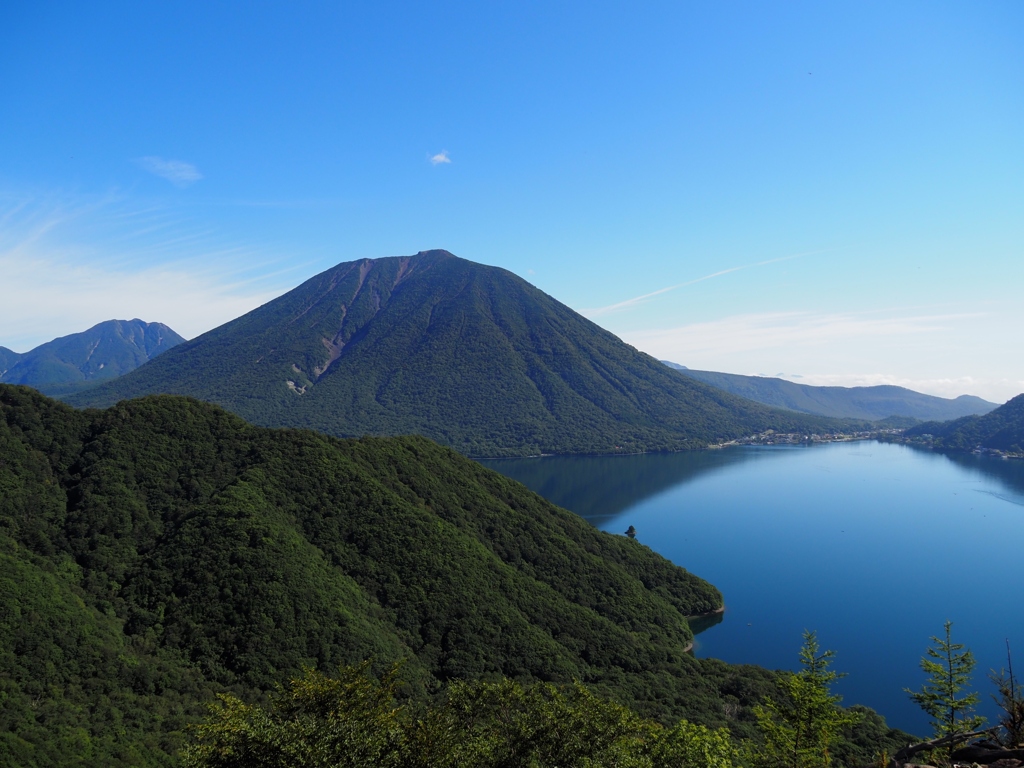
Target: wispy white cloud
{"type": "Point", "coordinates": [743, 333]}
{"type": "Point", "coordinates": [177, 172]}
{"type": "Point", "coordinates": [74, 297]}
{"type": "Point", "coordinates": [70, 263]}
{"type": "Point", "coordinates": [944, 353]}
{"type": "Point", "coordinates": [636, 300]}
{"type": "Point", "coordinates": [597, 312]}
{"type": "Point", "coordinates": [440, 158]}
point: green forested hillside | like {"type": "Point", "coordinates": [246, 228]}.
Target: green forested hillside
{"type": "Point", "coordinates": [164, 549]}
{"type": "Point", "coordinates": [471, 356]}
{"type": "Point", "coordinates": [103, 352]}
{"type": "Point", "coordinates": [1002, 429]}
{"type": "Point", "coordinates": [870, 403]}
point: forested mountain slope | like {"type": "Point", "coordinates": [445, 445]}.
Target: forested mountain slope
{"type": "Point", "coordinates": [7, 359]}
{"type": "Point", "coordinates": [870, 403]}
{"type": "Point", "coordinates": [103, 352]}
{"type": "Point", "coordinates": [1002, 429]}
{"type": "Point", "coordinates": [164, 549]}
{"type": "Point", "coordinates": [468, 355]}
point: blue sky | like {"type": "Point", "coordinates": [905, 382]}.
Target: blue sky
{"type": "Point", "coordinates": [829, 191]}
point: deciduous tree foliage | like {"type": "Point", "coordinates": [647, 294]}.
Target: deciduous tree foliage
{"type": "Point", "coordinates": [353, 721]}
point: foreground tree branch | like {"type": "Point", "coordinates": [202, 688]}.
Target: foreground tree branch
{"type": "Point", "coordinates": [904, 755]}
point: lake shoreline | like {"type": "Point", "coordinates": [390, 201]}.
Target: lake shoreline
{"type": "Point", "coordinates": [764, 438]}
{"type": "Point", "coordinates": [708, 615]}
{"type": "Point", "coordinates": [795, 540]}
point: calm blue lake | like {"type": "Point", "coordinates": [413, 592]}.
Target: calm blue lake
{"type": "Point", "coordinates": [872, 545]}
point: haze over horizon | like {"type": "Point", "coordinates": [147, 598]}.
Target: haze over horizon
{"type": "Point", "coordinates": [829, 194]}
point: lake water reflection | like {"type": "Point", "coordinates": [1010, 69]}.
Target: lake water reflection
{"type": "Point", "coordinates": [872, 545]}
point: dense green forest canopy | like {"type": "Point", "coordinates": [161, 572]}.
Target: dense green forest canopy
{"type": "Point", "coordinates": [162, 551]}
{"type": "Point", "coordinates": [71, 363]}
{"type": "Point", "coordinates": [468, 355]}
{"type": "Point", "coordinates": [352, 719]}
{"type": "Point", "coordinates": [872, 403]}
{"type": "Point", "coordinates": [1002, 429]}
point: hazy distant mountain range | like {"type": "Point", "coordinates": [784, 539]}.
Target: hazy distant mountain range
{"type": "Point", "coordinates": [676, 366]}
{"type": "Point", "coordinates": [870, 403]}
{"type": "Point", "coordinates": [1002, 429]}
{"type": "Point", "coordinates": [105, 351]}
{"type": "Point", "coordinates": [469, 355]}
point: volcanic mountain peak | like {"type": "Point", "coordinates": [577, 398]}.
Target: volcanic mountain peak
{"type": "Point", "coordinates": [469, 355]}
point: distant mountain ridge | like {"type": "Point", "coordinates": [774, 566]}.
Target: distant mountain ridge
{"type": "Point", "coordinates": [468, 355]}
{"type": "Point", "coordinates": [871, 403]}
{"type": "Point", "coordinates": [1002, 429]}
{"type": "Point", "coordinates": [7, 359]}
{"type": "Point", "coordinates": [105, 351]}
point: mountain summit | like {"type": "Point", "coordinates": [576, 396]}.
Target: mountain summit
{"type": "Point", "coordinates": [469, 355]}
{"type": "Point", "coordinates": [105, 351]}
